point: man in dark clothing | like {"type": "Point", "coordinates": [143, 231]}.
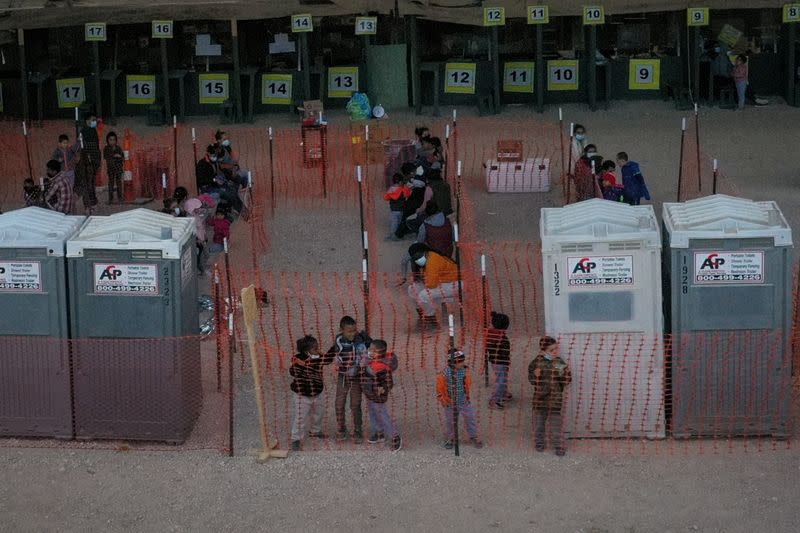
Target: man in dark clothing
{"type": "Point", "coordinates": [89, 164]}
{"type": "Point", "coordinates": [307, 385]}
{"type": "Point", "coordinates": [415, 201]}
{"type": "Point", "coordinates": [205, 170]}
{"type": "Point", "coordinates": [442, 192]}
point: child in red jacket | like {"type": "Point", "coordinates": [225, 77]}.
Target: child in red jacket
{"type": "Point", "coordinates": [222, 231]}
{"type": "Point", "coordinates": [397, 195]}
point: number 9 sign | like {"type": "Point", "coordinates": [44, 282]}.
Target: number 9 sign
{"type": "Point", "coordinates": [644, 75]}
{"type": "Point", "coordinates": [697, 16]}
{"type": "Point", "coordinates": [459, 78]}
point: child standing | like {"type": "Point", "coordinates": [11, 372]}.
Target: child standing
{"type": "Point", "coordinates": [632, 180]}
{"type": "Point", "coordinates": [222, 231]}
{"type": "Point", "coordinates": [33, 195]}
{"type": "Point", "coordinates": [609, 187]}
{"type": "Point", "coordinates": [397, 195]}
{"type": "Point", "coordinates": [307, 386]}
{"type": "Point", "coordinates": [453, 386]}
{"type": "Point", "coordinates": [740, 77]}
{"type": "Point", "coordinates": [498, 352]}
{"type": "Point", "coordinates": [549, 375]}
{"type": "Point", "coordinates": [376, 382]}
{"type": "Point", "coordinates": [115, 158]}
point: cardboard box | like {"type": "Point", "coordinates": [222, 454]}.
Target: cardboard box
{"type": "Point", "coordinates": [312, 109]}
{"type": "Point", "coordinates": [379, 131]}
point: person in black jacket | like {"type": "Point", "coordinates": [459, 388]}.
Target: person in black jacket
{"type": "Point", "coordinates": [376, 382]}
{"type": "Point", "coordinates": [498, 351]}
{"type": "Point", "coordinates": [307, 386]}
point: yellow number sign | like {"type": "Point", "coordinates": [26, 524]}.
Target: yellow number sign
{"type": "Point", "coordinates": [538, 14]}
{"type": "Point", "coordinates": [644, 75]}
{"type": "Point", "coordinates": [342, 82]}
{"type": "Point", "coordinates": [518, 77]}
{"type": "Point", "coordinates": [593, 15]}
{"type": "Point", "coordinates": [276, 89]}
{"type": "Point", "coordinates": [494, 16]}
{"type": "Point", "coordinates": [562, 75]}
{"type": "Point", "coordinates": [459, 78]}
{"type": "Point", "coordinates": [697, 16]}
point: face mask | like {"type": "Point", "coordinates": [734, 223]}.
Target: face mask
{"type": "Point", "coordinates": [548, 356]}
{"type": "Point", "coordinates": [580, 136]}
{"type": "Point", "coordinates": [591, 154]}
{"type": "Point", "coordinates": [214, 158]}
{"type": "Point", "coordinates": [226, 142]}
{"type": "Point", "coordinates": [422, 261]}
{"type": "Point", "coordinates": [717, 49]}
{"type": "Point", "coordinates": [93, 124]}
{"type": "Point", "coordinates": [420, 171]}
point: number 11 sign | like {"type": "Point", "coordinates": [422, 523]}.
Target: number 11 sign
{"type": "Point", "coordinates": [518, 77]}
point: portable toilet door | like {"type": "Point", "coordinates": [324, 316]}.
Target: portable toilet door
{"type": "Point", "coordinates": [602, 296]}
{"type": "Point", "coordinates": [35, 386]}
{"type": "Point", "coordinates": [134, 323]}
{"type": "Point", "coordinates": [729, 309]}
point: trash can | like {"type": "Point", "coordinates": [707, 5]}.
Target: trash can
{"type": "Point", "coordinates": [35, 388]}
{"type": "Point", "coordinates": [728, 305]}
{"type": "Point", "coordinates": [396, 153]}
{"type": "Point", "coordinates": [134, 319]}
{"type": "Point", "coordinates": [602, 299]}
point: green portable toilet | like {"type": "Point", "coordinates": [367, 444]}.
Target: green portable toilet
{"type": "Point", "coordinates": [35, 388]}
{"type": "Point", "coordinates": [134, 323]}
{"type": "Point", "coordinates": [728, 295]}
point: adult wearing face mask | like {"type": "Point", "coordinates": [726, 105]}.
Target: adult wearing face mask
{"type": "Point", "coordinates": [439, 283]}
{"type": "Point", "coordinates": [227, 159]}
{"type": "Point", "coordinates": [721, 66]}
{"type": "Point", "coordinates": [585, 174]}
{"type": "Point", "coordinates": [205, 170]}
{"type": "Point", "coordinates": [579, 143]}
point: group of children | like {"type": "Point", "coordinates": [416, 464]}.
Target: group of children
{"type": "Point", "coordinates": [365, 366]}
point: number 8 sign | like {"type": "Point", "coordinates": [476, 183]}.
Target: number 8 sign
{"type": "Point", "coordinates": [562, 75]}
{"type": "Point", "coordinates": [791, 13]}
{"type": "Point", "coordinates": [644, 75]}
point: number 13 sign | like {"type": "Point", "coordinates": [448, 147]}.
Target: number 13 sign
{"type": "Point", "coordinates": [342, 82]}
{"type": "Point", "coordinates": [459, 78]}
{"type": "Point", "coordinates": [644, 75]}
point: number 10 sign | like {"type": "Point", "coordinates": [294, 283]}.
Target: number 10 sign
{"type": "Point", "coordinates": [562, 75]}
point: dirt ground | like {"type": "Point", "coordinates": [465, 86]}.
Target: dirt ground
{"type": "Point", "coordinates": [423, 487]}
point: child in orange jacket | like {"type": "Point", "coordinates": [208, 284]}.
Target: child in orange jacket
{"type": "Point", "coordinates": [397, 195]}
{"type": "Point", "coordinates": [455, 382]}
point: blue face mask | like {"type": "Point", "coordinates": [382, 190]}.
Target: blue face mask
{"type": "Point", "coordinates": [548, 356]}
{"type": "Point", "coordinates": [93, 124]}
{"type": "Point", "coordinates": [226, 142]}
{"type": "Point", "coordinates": [213, 158]}
{"type": "Point", "coordinates": [580, 136]}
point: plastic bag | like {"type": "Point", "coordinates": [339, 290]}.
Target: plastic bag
{"type": "Point", "coordinates": [358, 107]}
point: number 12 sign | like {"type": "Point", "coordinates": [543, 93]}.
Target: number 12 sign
{"type": "Point", "coordinates": [342, 82]}
{"type": "Point", "coordinates": [518, 77]}
{"type": "Point", "coordinates": [562, 75]}
{"type": "Point", "coordinates": [276, 89]}
{"type": "Point", "coordinates": [459, 78]}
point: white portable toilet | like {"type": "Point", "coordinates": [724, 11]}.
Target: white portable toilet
{"type": "Point", "coordinates": [602, 300]}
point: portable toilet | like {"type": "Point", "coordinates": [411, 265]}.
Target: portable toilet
{"type": "Point", "coordinates": [728, 305]}
{"type": "Point", "coordinates": [35, 387]}
{"type": "Point", "coordinates": [602, 300]}
{"type": "Point", "coordinates": [134, 323]}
